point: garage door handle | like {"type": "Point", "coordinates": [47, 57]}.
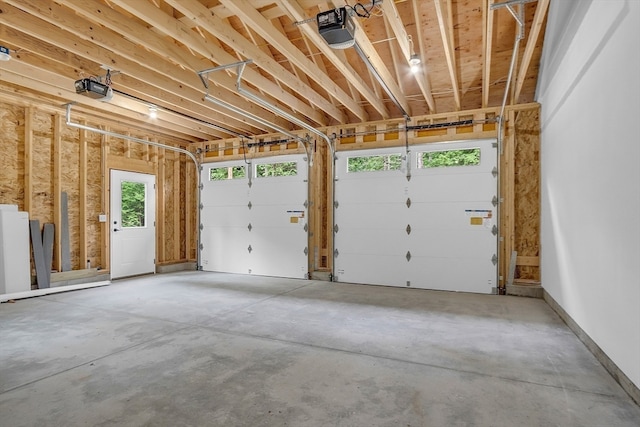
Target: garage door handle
{"type": "Point", "coordinates": [117, 229]}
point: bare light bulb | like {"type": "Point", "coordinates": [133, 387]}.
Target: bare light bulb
{"type": "Point", "coordinates": [414, 62]}
{"type": "Point", "coordinates": [153, 112]}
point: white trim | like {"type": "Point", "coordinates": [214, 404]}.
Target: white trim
{"type": "Point", "coordinates": [55, 290]}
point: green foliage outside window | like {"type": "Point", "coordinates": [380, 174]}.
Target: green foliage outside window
{"type": "Point", "coordinates": [231, 172]}
{"type": "Point", "coordinates": [434, 159]}
{"type": "Point", "coordinates": [374, 163]}
{"type": "Point", "coordinates": [133, 204]}
{"type": "Point", "coordinates": [277, 169]}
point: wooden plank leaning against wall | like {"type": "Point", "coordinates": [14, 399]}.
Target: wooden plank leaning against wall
{"type": "Point", "coordinates": [40, 157]}
{"type": "Point", "coordinates": [520, 185]}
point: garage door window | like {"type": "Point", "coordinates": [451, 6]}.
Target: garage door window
{"type": "Point", "coordinates": [447, 158]}
{"type": "Point", "coordinates": [276, 169]}
{"type": "Point", "coordinates": [231, 172]}
{"type": "Point", "coordinates": [376, 163]}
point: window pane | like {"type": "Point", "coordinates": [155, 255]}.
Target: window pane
{"type": "Point", "coordinates": [133, 204]}
{"type": "Point", "coordinates": [389, 162]}
{"type": "Point", "coordinates": [220, 174]}
{"type": "Point", "coordinates": [277, 169]}
{"type": "Point", "coordinates": [436, 159]}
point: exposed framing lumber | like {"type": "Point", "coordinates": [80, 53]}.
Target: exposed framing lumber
{"type": "Point", "coordinates": [105, 227]}
{"type": "Point", "coordinates": [534, 32]}
{"type": "Point", "coordinates": [57, 191]}
{"type": "Point", "coordinates": [392, 17]}
{"type": "Point", "coordinates": [109, 50]}
{"type": "Point", "coordinates": [139, 34]}
{"type": "Point", "coordinates": [219, 28]}
{"type": "Point", "coordinates": [445, 21]}
{"type": "Point", "coordinates": [298, 14]}
{"type": "Point", "coordinates": [82, 195]}
{"type": "Point", "coordinates": [377, 62]}
{"type": "Point", "coordinates": [160, 166]}
{"type": "Point", "coordinates": [246, 12]}
{"type": "Point", "coordinates": [28, 159]}
{"type": "Point", "coordinates": [176, 206]}
{"type": "Point", "coordinates": [422, 76]}
{"type": "Point", "coordinates": [487, 43]}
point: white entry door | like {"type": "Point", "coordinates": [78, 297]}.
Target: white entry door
{"type": "Point", "coordinates": [423, 220]}
{"type": "Point", "coordinates": [254, 216]}
{"type": "Point", "coordinates": [132, 223]}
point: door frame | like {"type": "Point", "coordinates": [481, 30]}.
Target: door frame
{"type": "Point", "coordinates": [109, 223]}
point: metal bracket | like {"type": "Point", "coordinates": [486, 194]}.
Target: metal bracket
{"type": "Point", "coordinates": [250, 249]}
{"type": "Point", "coordinates": [494, 230]}
{"type": "Point", "coordinates": [336, 253]}
{"type": "Point", "coordinates": [408, 229]}
{"type": "Point", "coordinates": [408, 256]}
{"type": "Point", "coordinates": [494, 259]}
{"type": "Point", "coordinates": [250, 227]}
{"type": "Point", "coordinates": [494, 201]}
{"type": "Point", "coordinates": [494, 172]}
{"type": "Point", "coordinates": [408, 202]}
{"type": "Point", "coordinates": [336, 228]}
{"type": "Point", "coordinates": [249, 205]}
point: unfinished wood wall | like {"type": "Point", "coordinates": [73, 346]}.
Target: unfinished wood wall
{"type": "Point", "coordinates": [41, 157]}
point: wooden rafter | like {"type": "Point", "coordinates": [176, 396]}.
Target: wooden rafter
{"type": "Point", "coordinates": [219, 28]}
{"type": "Point", "coordinates": [247, 13]}
{"type": "Point", "coordinates": [487, 42]}
{"type": "Point", "coordinates": [534, 32]}
{"type": "Point", "coordinates": [181, 32]}
{"type": "Point", "coordinates": [121, 54]}
{"type": "Point", "coordinates": [374, 57]}
{"type": "Point", "coordinates": [338, 60]}
{"type": "Point", "coordinates": [397, 25]}
{"type": "Point", "coordinates": [445, 21]}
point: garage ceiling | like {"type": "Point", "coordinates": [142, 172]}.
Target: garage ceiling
{"type": "Point", "coordinates": [154, 48]}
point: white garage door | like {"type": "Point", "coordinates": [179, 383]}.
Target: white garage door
{"type": "Point", "coordinates": [435, 230]}
{"type": "Point", "coordinates": [255, 217]}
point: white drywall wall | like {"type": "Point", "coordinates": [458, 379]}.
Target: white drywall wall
{"type": "Point", "coordinates": [589, 89]}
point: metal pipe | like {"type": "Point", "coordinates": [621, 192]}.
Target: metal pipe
{"type": "Point", "coordinates": [159, 107]}
{"type": "Point", "coordinates": [269, 106]}
{"type": "Point", "coordinates": [378, 77]}
{"type": "Point", "coordinates": [304, 125]}
{"type": "Point", "coordinates": [154, 144]}
{"type": "Point", "coordinates": [251, 116]}
{"type": "Point", "coordinates": [501, 121]}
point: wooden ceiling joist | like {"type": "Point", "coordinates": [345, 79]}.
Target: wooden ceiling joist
{"type": "Point", "coordinates": [182, 33]}
{"type": "Point", "coordinates": [532, 39]}
{"type": "Point", "coordinates": [445, 22]}
{"type": "Point", "coordinates": [228, 35]}
{"type": "Point", "coordinates": [248, 14]}
{"type": "Point", "coordinates": [339, 61]}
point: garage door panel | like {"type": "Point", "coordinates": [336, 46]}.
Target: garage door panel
{"type": "Point", "coordinates": [450, 241]}
{"type": "Point", "coordinates": [433, 243]}
{"type": "Point", "coordinates": [451, 274]}
{"type": "Point", "coordinates": [271, 255]}
{"type": "Point", "coordinates": [233, 216]}
{"type": "Point", "coordinates": [373, 241]}
{"type": "Point", "coordinates": [357, 269]}
{"type": "Point", "coordinates": [362, 191]}
{"type": "Point", "coordinates": [225, 249]}
{"type": "Point", "coordinates": [453, 188]}
{"type": "Point", "coordinates": [257, 229]}
{"type": "Point", "coordinates": [370, 215]}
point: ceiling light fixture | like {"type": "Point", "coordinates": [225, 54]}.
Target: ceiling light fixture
{"type": "Point", "coordinates": [414, 59]}
{"type": "Point", "coordinates": [153, 112]}
{"type": "Point", "coordinates": [5, 54]}
{"type": "Point", "coordinates": [414, 62]}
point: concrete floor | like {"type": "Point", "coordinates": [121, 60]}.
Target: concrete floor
{"type": "Point", "coordinates": [207, 349]}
